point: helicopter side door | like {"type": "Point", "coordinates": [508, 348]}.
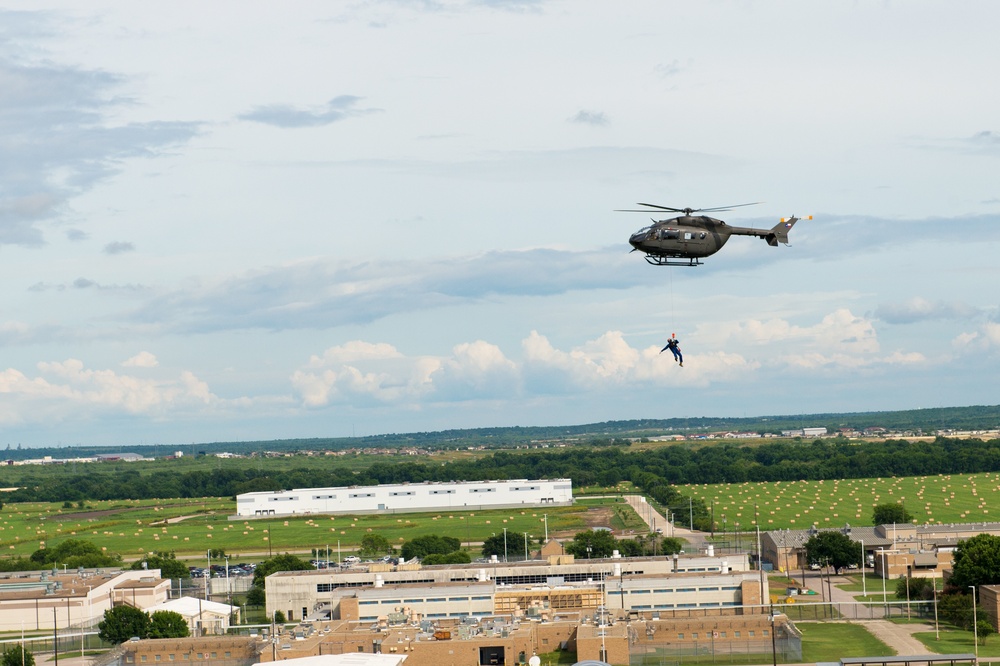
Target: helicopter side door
{"type": "Point", "coordinates": [695, 242]}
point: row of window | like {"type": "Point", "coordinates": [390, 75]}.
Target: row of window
{"type": "Point", "coordinates": [400, 493]}
{"type": "Point", "coordinates": [428, 600]}
{"type": "Point", "coordinates": [716, 604]}
{"type": "Point", "coordinates": [185, 656]}
{"type": "Point", "coordinates": [373, 618]}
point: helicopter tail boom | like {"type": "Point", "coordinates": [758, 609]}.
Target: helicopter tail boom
{"type": "Point", "coordinates": [779, 232]}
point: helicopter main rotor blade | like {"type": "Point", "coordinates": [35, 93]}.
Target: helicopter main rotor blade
{"type": "Point", "coordinates": [672, 210]}
{"type": "Point", "coordinates": [721, 208]}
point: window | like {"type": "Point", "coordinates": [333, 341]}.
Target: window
{"type": "Point", "coordinates": [143, 659]}
{"type": "Point", "coordinates": [156, 658]}
{"type": "Point", "coordinates": [442, 492]}
{"type": "Point", "coordinates": [680, 636]}
{"type": "Point", "coordinates": [170, 657]}
{"type": "Point", "coordinates": [228, 654]}
{"type": "Point", "coordinates": [483, 490]}
{"type": "Point", "coordinates": [129, 659]}
{"type": "Point", "coordinates": [722, 634]}
{"type": "Point", "coordinates": [362, 495]}
{"type": "Point", "coordinates": [736, 634]}
{"type": "Point", "coordinates": [750, 634]}
{"type": "Point", "coordinates": [214, 655]}
{"type": "Point", "coordinates": [694, 635]}
{"type": "Point", "coordinates": [402, 493]}
{"type": "Point", "coordinates": [323, 497]}
{"type": "Point", "coordinates": [764, 633]}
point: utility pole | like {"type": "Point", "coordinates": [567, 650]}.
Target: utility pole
{"type": "Point", "coordinates": [55, 633]}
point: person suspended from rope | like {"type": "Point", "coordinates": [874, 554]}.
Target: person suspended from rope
{"type": "Point", "coordinates": [673, 344]}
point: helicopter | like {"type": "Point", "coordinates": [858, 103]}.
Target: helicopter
{"type": "Point", "coordinates": [685, 240]}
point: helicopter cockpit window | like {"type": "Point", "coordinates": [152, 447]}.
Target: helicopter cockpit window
{"type": "Point", "coordinates": [688, 235]}
{"type": "Point", "coordinates": [668, 234]}
{"type": "Point", "coordinates": [702, 235]}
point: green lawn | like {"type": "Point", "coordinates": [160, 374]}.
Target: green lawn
{"type": "Point", "coordinates": [132, 528]}
{"type": "Point", "coordinates": [956, 641]}
{"type": "Point", "coordinates": [831, 641]}
{"type": "Point", "coordinates": [955, 498]}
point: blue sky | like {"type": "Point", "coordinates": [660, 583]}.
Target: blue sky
{"type": "Point", "coordinates": [236, 220]}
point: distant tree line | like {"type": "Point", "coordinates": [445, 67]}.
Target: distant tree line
{"type": "Point", "coordinates": [655, 472]}
{"type": "Point", "coordinates": [977, 417]}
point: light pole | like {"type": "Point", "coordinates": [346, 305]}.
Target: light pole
{"type": "Point", "coordinates": [885, 573]}
{"type": "Point", "coordinates": [937, 633]}
{"type": "Point", "coordinates": [907, 564]}
{"type": "Point", "coordinates": [774, 644]}
{"type": "Point", "coordinates": [975, 629]}
{"type": "Point", "coordinates": [505, 544]}
{"type": "Point", "coordinates": [229, 590]}
{"type": "Point", "coordinates": [864, 584]}
{"type": "Point", "coordinates": [525, 546]}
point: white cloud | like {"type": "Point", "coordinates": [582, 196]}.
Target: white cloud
{"type": "Point", "coordinates": [63, 387]}
{"type": "Point", "coordinates": [143, 359]}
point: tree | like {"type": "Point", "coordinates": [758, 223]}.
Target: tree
{"type": "Point", "coordinates": [455, 557]}
{"type": "Point", "coordinates": [374, 544]}
{"type": "Point", "coordinates": [592, 543]}
{"type": "Point", "coordinates": [256, 597]}
{"type": "Point", "coordinates": [514, 543]}
{"type": "Point", "coordinates": [632, 547]}
{"type": "Point", "coordinates": [919, 588]}
{"type": "Point", "coordinates": [269, 566]}
{"type": "Point", "coordinates": [122, 623]}
{"type": "Point", "coordinates": [956, 608]}
{"type": "Point", "coordinates": [14, 656]}
{"type": "Point", "coordinates": [430, 544]}
{"type": "Point", "coordinates": [834, 548]}
{"type": "Point", "coordinates": [890, 512]}
{"type": "Point", "coordinates": [75, 553]}
{"type": "Point", "coordinates": [167, 624]}
{"type": "Point", "coordinates": [167, 563]}
{"type": "Point", "coordinates": [984, 629]}
{"type": "Point", "coordinates": [671, 545]}
{"type": "Point", "coordinates": [279, 617]}
{"type": "Point", "coordinates": [976, 561]}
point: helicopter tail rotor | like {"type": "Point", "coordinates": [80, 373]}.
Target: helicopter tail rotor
{"type": "Point", "coordinates": [779, 232]}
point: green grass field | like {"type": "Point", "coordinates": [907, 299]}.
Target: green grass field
{"type": "Point", "coordinates": [956, 641]}
{"type": "Point", "coordinates": [800, 504]}
{"type": "Point", "coordinates": [134, 527]}
{"type": "Point", "coordinates": [831, 641]}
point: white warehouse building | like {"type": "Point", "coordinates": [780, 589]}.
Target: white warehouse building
{"type": "Point", "coordinates": [407, 497]}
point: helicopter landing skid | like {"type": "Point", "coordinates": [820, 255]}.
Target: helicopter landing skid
{"type": "Point", "coordinates": [659, 260]}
